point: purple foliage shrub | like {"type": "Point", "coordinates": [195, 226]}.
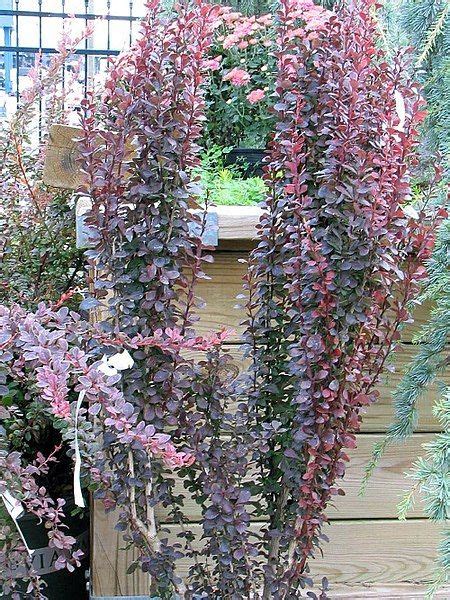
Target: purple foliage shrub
{"type": "Point", "coordinates": [329, 285]}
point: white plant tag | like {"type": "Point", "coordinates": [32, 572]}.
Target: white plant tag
{"type": "Point", "coordinates": [15, 510]}
{"type": "Point", "coordinates": [401, 110]}
{"type": "Point", "coordinates": [106, 368]}
{"type": "Point", "coordinates": [121, 361]}
{"type": "Point", "coordinates": [77, 493]}
{"type": "Point", "coordinates": [13, 506]}
{"type": "Point", "coordinates": [118, 362]}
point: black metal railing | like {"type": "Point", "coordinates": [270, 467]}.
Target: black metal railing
{"type": "Point", "coordinates": [30, 28]}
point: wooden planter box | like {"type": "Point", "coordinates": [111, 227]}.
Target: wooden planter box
{"type": "Point", "coordinates": [371, 554]}
{"type": "Point", "coordinates": [368, 546]}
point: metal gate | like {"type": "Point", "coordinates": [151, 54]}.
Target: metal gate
{"type": "Point", "coordinates": [29, 28]}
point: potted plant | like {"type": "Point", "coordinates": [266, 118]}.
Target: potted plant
{"type": "Point", "coordinates": [38, 518]}
{"type": "Point", "coordinates": [242, 78]}
{"type": "Point", "coordinates": [51, 365]}
{"type": "Point", "coordinates": [242, 83]}
{"type": "Point", "coordinates": [328, 285]}
{"type": "Point", "coordinates": [45, 539]}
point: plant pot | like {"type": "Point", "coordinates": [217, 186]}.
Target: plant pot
{"type": "Point", "coordinates": [250, 159]}
{"type": "Point", "coordinates": [61, 585]}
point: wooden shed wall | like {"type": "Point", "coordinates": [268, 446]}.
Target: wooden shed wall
{"type": "Point", "coordinates": [371, 554]}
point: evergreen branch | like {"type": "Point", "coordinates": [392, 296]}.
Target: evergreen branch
{"type": "Point", "coordinates": [381, 30]}
{"type": "Point", "coordinates": [378, 451]}
{"type": "Point", "coordinates": [433, 34]}
{"type": "Point", "coordinates": [406, 504]}
{"type": "Point", "coordinates": [442, 572]}
{"type": "Point", "coordinates": [429, 472]}
{"type": "Point", "coordinates": [420, 375]}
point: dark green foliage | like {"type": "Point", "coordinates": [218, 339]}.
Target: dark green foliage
{"type": "Point", "coordinates": [223, 185]}
{"type": "Point", "coordinates": [250, 7]}
{"type": "Point", "coordinates": [39, 260]}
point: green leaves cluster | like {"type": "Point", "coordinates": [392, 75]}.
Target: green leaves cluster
{"type": "Point", "coordinates": [225, 186]}
{"type": "Point", "coordinates": [39, 260]}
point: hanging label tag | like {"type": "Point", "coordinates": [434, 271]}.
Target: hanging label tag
{"type": "Point", "coordinates": [13, 506]}
{"type": "Point", "coordinates": [15, 510]}
{"type": "Point", "coordinates": [44, 560]}
{"type": "Point", "coordinates": [77, 492]}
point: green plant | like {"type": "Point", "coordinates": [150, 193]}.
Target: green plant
{"type": "Point", "coordinates": [426, 25]}
{"type": "Point", "coordinates": [221, 185]}
{"type": "Point", "coordinates": [231, 191]}
{"type": "Point", "coordinates": [337, 264]}
{"type": "Point", "coordinates": [39, 260]}
{"type": "Point", "coordinates": [242, 64]}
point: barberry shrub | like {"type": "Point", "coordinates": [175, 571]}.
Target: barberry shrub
{"type": "Point", "coordinates": [336, 268]}
{"type": "Point", "coordinates": [39, 260]}
{"type": "Point", "coordinates": [428, 476]}
{"type": "Point", "coordinates": [329, 285]}
{"type": "Point", "coordinates": [139, 147]}
{"type": "Point", "coordinates": [48, 357]}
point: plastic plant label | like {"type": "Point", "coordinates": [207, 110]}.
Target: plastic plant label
{"type": "Point", "coordinates": [15, 510]}
{"type": "Point", "coordinates": [43, 560]}
{"type": "Point", "coordinates": [77, 492]}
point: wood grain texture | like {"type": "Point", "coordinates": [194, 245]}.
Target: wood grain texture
{"type": "Point", "coordinates": [360, 553]}
{"type": "Point", "coordinates": [380, 415]}
{"type": "Point", "coordinates": [386, 487]}
{"type": "Point", "coordinates": [225, 283]}
{"type": "Point", "coordinates": [387, 592]}
{"type": "Point", "coordinates": [61, 169]}
{"type": "Point", "coordinates": [379, 552]}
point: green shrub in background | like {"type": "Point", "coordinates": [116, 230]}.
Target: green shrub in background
{"type": "Point", "coordinates": [39, 261]}
{"type": "Point", "coordinates": [223, 185]}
